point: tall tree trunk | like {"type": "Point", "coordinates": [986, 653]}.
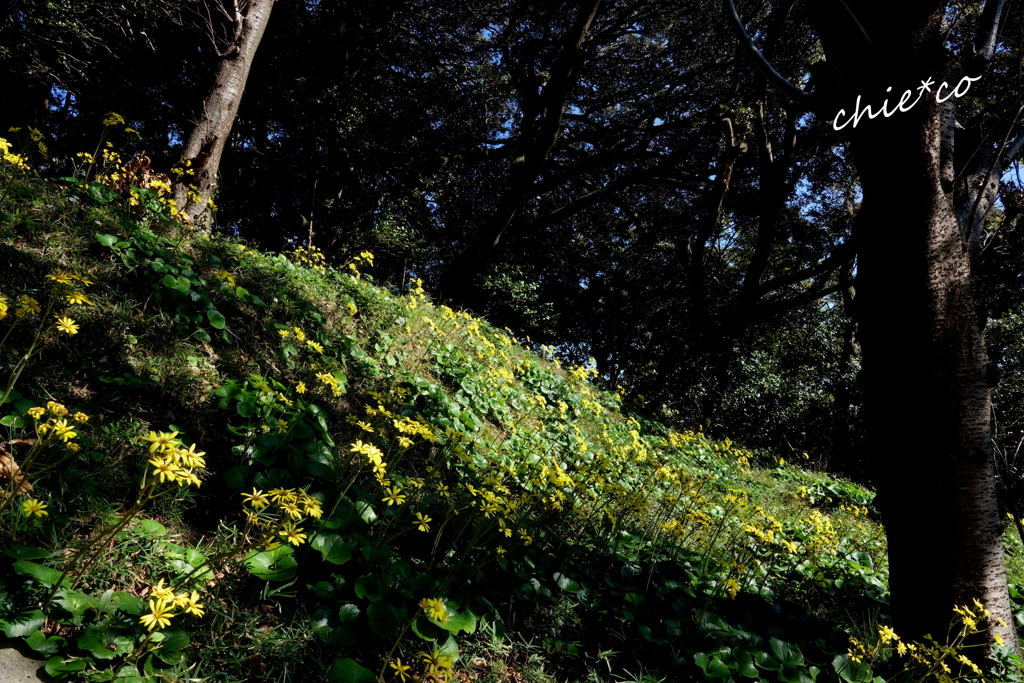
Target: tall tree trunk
{"type": "Point", "coordinates": [926, 389]}
{"type": "Point", "coordinates": [193, 193]}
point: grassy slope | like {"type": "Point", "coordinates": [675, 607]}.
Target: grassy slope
{"type": "Point", "coordinates": [570, 537]}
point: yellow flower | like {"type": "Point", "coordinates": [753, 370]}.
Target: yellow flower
{"type": "Point", "coordinates": [165, 469]}
{"type": "Point", "coordinates": [162, 441]}
{"type": "Point", "coordinates": [291, 508]}
{"type": "Point", "coordinates": [279, 495]}
{"type": "Point", "coordinates": [313, 508]}
{"type": "Point", "coordinates": [435, 609]}
{"type": "Point", "coordinates": [56, 408]}
{"type": "Point", "coordinates": [192, 605]}
{"type": "Point", "coordinates": [60, 276]}
{"type": "Point", "coordinates": [352, 310]}
{"type": "Point", "coordinates": [33, 506]}
{"type": "Point", "coordinates": [66, 325]}
{"type": "Point", "coordinates": [422, 522]}
{"type": "Point", "coordinates": [159, 591]}
{"type": "Point", "coordinates": [257, 499]}
{"type": "Point", "coordinates": [113, 119]}
{"type": "Point", "coordinates": [159, 615]}
{"type": "Point", "coordinates": [292, 535]}
{"type": "Point", "coordinates": [400, 669]}
{"type": "Point", "coordinates": [394, 497]}
{"type": "Point", "coordinates": [284, 333]}
{"type": "Point", "coordinates": [78, 299]}
{"type": "Point", "coordinates": [81, 418]}
{"type": "Point", "coordinates": [437, 662]}
{"type": "Point", "coordinates": [300, 388]}
{"type": "Point", "coordinates": [29, 306]}
{"type": "Point", "coordinates": [65, 432]}
{"type": "Point", "coordinates": [36, 413]}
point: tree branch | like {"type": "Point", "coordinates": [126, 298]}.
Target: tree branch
{"type": "Point", "coordinates": [841, 254]}
{"type": "Point", "coordinates": [988, 28]}
{"type": "Point", "coordinates": [774, 77]}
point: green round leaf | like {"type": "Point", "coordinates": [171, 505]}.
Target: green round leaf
{"type": "Point", "coordinates": [348, 671]}
{"type": "Point", "coordinates": [371, 587]}
{"type": "Point", "coordinates": [333, 547]}
{"type": "Point", "coordinates": [216, 318]}
{"type": "Point", "coordinates": [102, 193]}
{"type": "Point", "coordinates": [43, 574]}
{"type": "Point", "coordinates": [273, 565]}
{"type": "Point", "coordinates": [384, 620]}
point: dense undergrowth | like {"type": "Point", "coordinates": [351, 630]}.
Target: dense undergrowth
{"type": "Point", "coordinates": [228, 465]}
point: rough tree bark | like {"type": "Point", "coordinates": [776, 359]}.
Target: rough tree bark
{"type": "Point", "coordinates": [926, 377]}
{"type": "Point", "coordinates": [205, 145]}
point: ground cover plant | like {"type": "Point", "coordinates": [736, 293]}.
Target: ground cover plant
{"type": "Point", "coordinates": [223, 464]}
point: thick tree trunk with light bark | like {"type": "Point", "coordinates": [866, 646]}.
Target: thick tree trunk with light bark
{"type": "Point", "coordinates": [926, 374]}
{"type": "Point", "coordinates": [205, 143]}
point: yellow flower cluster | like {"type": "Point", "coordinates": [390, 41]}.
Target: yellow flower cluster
{"type": "Point", "coordinates": [931, 660]}
{"type": "Point", "coordinates": [173, 462]}
{"type": "Point", "coordinates": [364, 258]}
{"type": "Point", "coordinates": [163, 601]}
{"type": "Point", "coordinates": [278, 512]}
{"type": "Point", "coordinates": [308, 256]}
{"type": "Point", "coordinates": [15, 160]}
{"type": "Point", "coordinates": [57, 424]}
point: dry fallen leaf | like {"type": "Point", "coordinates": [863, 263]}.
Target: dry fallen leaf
{"type": "Point", "coordinates": [9, 470]}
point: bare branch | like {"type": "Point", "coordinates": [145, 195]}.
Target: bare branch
{"type": "Point", "coordinates": [774, 77]}
{"type": "Point", "coordinates": [854, 24]}
{"type": "Point", "coordinates": [836, 259]}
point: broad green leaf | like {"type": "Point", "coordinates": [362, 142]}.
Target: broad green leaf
{"type": "Point", "coordinates": [22, 623]}
{"type": "Point", "coordinates": [237, 476]}
{"type": "Point", "coordinates": [787, 653]}
{"type": "Point", "coordinates": [348, 671]}
{"type": "Point", "coordinates": [456, 622]}
{"type": "Point", "coordinates": [41, 573]}
{"type": "Point", "coordinates": [851, 671]}
{"type": "Point", "coordinates": [348, 613]}
{"type": "Point", "coordinates": [25, 552]}
{"type": "Point", "coordinates": [151, 527]}
{"type": "Point", "coordinates": [425, 629]}
{"type": "Point", "coordinates": [371, 587]}
{"type": "Point", "coordinates": [57, 666]}
{"type": "Point", "coordinates": [246, 409]}
{"type": "Point", "coordinates": [102, 193]}
{"type": "Point", "coordinates": [273, 565]}
{"type": "Point", "coordinates": [216, 318]}
{"type": "Point", "coordinates": [333, 547]}
{"type": "Point", "coordinates": [105, 239]}
{"type": "Point", "coordinates": [744, 663]}
{"type": "Point", "coordinates": [47, 646]}
{"type": "Point", "coordinates": [384, 619]}
{"type": "Point", "coordinates": [102, 643]}
{"type": "Point", "coordinates": [174, 641]}
{"type": "Point", "coordinates": [76, 603]}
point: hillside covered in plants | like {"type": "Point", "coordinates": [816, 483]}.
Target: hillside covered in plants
{"type": "Point", "coordinates": [225, 464]}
